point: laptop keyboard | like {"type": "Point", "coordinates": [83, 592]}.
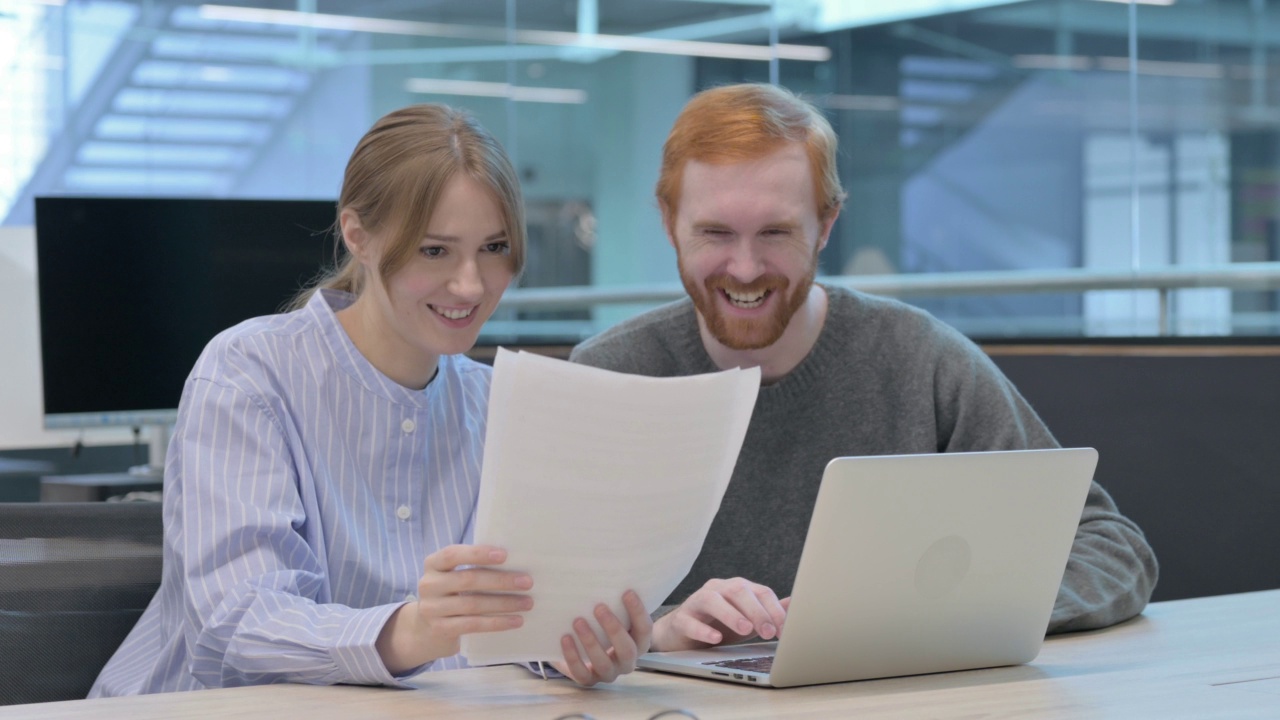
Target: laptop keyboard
{"type": "Point", "coordinates": [754, 664]}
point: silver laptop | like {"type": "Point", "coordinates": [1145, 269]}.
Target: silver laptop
{"type": "Point", "coordinates": [918, 564]}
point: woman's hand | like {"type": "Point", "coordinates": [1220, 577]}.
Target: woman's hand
{"type": "Point", "coordinates": [460, 592]}
{"type": "Point", "coordinates": [602, 664]}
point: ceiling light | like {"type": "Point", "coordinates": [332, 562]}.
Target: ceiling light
{"type": "Point", "coordinates": [494, 89]}
{"type": "Point", "coordinates": [1142, 2]}
{"type": "Point", "coordinates": [624, 43]}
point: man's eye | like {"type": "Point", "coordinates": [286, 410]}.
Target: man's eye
{"type": "Point", "coordinates": [433, 251]}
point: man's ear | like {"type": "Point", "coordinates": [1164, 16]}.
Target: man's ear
{"type": "Point", "coordinates": [826, 228]}
{"type": "Point", "coordinates": [354, 235]}
{"type": "Point", "coordinates": [668, 219]}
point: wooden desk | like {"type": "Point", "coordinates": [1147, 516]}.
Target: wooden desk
{"type": "Point", "coordinates": [1205, 658]}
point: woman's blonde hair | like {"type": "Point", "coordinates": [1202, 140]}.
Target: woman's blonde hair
{"type": "Point", "coordinates": [397, 173]}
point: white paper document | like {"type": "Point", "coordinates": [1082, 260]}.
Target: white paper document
{"type": "Point", "coordinates": [598, 482]}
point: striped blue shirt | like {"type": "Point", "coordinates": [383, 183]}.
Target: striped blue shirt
{"type": "Point", "coordinates": [303, 490]}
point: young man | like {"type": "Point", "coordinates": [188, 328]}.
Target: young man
{"type": "Point", "coordinates": [749, 193]}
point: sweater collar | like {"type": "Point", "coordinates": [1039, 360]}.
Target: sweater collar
{"type": "Point", "coordinates": [802, 378]}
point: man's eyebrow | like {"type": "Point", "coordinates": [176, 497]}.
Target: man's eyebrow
{"type": "Point", "coordinates": [789, 225]}
{"type": "Point", "coordinates": [502, 234]}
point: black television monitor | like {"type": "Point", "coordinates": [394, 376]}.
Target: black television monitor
{"type": "Point", "coordinates": [132, 289]}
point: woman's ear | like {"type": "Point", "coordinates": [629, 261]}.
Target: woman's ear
{"type": "Point", "coordinates": [354, 236]}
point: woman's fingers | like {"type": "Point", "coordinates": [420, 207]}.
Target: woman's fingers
{"type": "Point", "coordinates": [454, 556]}
{"type": "Point", "coordinates": [461, 605]}
{"type": "Point", "coordinates": [474, 580]}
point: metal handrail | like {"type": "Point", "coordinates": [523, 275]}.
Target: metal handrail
{"type": "Point", "coordinates": [1232, 276]}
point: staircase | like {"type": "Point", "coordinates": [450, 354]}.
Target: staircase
{"type": "Point", "coordinates": [943, 99]}
{"type": "Point", "coordinates": [183, 106]}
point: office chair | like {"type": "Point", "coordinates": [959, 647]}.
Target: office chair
{"type": "Point", "coordinates": [74, 578]}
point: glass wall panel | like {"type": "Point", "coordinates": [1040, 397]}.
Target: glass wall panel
{"type": "Point", "coordinates": [978, 136]}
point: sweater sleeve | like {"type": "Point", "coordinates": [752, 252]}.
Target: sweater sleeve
{"type": "Point", "coordinates": [253, 588]}
{"type": "Point", "coordinates": [1111, 571]}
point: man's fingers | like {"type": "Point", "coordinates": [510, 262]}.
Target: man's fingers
{"type": "Point", "coordinates": [773, 607]}
{"type": "Point", "coordinates": [728, 611]}
{"type": "Point", "coordinates": [688, 626]}
{"type": "Point", "coordinates": [742, 594]}
{"type": "Point", "coordinates": [720, 611]}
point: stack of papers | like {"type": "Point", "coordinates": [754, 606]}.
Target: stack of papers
{"type": "Point", "coordinates": [597, 482]}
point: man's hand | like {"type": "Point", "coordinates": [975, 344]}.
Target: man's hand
{"type": "Point", "coordinates": [606, 664]}
{"type": "Point", "coordinates": [722, 611]}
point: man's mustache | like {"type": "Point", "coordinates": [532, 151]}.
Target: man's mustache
{"type": "Point", "coordinates": [763, 283]}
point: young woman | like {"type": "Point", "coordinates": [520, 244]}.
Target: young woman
{"type": "Point", "coordinates": [320, 455]}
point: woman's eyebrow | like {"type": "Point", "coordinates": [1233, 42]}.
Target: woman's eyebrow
{"type": "Point", "coordinates": [453, 238]}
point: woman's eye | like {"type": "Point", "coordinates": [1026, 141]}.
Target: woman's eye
{"type": "Point", "coordinates": [433, 251]}
{"type": "Point", "coordinates": [498, 248]}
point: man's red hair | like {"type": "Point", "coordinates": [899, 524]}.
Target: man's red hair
{"type": "Point", "coordinates": [734, 123]}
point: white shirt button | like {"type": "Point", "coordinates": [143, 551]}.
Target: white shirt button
{"type": "Point", "coordinates": [410, 598]}
{"type": "Point", "coordinates": [403, 512]}
{"type": "Point", "coordinates": [408, 425]}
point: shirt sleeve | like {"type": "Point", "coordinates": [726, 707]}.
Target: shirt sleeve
{"type": "Point", "coordinates": [254, 589]}
{"type": "Point", "coordinates": [1112, 570]}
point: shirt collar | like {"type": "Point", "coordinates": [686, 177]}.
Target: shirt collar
{"type": "Point", "coordinates": [323, 307]}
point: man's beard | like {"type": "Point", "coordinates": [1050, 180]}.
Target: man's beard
{"type": "Point", "coordinates": [741, 333]}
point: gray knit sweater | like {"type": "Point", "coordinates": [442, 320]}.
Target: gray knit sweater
{"type": "Point", "coordinates": [883, 378]}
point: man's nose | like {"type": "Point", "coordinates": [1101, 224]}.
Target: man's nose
{"type": "Point", "coordinates": [745, 262]}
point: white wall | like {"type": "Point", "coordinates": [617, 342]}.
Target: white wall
{"type": "Point", "coordinates": [21, 403]}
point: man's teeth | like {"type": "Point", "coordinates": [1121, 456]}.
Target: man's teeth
{"type": "Point", "coordinates": [453, 314]}
{"type": "Point", "coordinates": [746, 300]}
